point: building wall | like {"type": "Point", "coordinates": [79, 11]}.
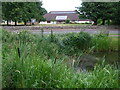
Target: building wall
{"type": "Point", "coordinates": [84, 22]}
{"type": "Point", "coordinates": [55, 22]}
{"type": "Point", "coordinates": [51, 22]}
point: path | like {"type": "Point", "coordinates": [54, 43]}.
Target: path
{"type": "Point", "coordinates": [63, 29]}
{"type": "Point", "coordinates": [91, 31]}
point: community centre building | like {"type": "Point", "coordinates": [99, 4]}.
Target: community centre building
{"type": "Point", "coordinates": [56, 17]}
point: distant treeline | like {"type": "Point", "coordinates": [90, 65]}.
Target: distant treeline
{"type": "Point", "coordinates": [100, 12]}
{"type": "Point", "coordinates": [22, 11]}
{"type": "Point", "coordinates": [106, 12]}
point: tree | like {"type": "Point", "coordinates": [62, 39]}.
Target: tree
{"type": "Point", "coordinates": [99, 10]}
{"type": "Point", "coordinates": [41, 11]}
{"type": "Point", "coordinates": [15, 12]}
{"type": "Point", "coordinates": [89, 11]}
{"type": "Point", "coordinates": [6, 11]}
{"type": "Point", "coordinates": [116, 14]}
{"type": "Point", "coordinates": [22, 11]}
{"type": "Point", "coordinates": [106, 11]}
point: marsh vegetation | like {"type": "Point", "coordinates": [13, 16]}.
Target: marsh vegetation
{"type": "Point", "coordinates": [50, 61]}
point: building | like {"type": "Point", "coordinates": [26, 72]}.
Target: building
{"type": "Point", "coordinates": [55, 17]}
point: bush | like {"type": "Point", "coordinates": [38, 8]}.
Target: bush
{"type": "Point", "coordinates": [67, 21]}
{"type": "Point", "coordinates": [81, 41]}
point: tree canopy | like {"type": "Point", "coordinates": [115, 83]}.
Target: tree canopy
{"type": "Point", "coordinates": [100, 10]}
{"type": "Point", "coordinates": [22, 11]}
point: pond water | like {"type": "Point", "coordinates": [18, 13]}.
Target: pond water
{"type": "Point", "coordinates": [88, 62]}
{"type": "Point", "coordinates": [110, 57]}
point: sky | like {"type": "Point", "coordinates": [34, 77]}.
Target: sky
{"type": "Point", "coordinates": [60, 5]}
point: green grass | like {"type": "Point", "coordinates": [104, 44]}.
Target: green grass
{"type": "Point", "coordinates": [107, 44]}
{"type": "Point", "coordinates": [39, 73]}
{"type": "Point", "coordinates": [115, 34]}
{"type": "Point", "coordinates": [32, 61]}
{"type": "Point", "coordinates": [61, 24]}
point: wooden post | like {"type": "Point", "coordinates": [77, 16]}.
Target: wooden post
{"type": "Point", "coordinates": [51, 34]}
{"type": "Point", "coordinates": [42, 31]}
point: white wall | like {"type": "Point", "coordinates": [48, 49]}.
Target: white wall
{"type": "Point", "coordinates": [84, 22]}
{"type": "Point", "coordinates": [43, 22]}
{"type": "Point", "coordinates": [52, 22]}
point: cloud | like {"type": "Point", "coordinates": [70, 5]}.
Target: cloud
{"type": "Point", "coordinates": [61, 5]}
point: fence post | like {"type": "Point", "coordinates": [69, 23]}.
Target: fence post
{"type": "Point", "coordinates": [42, 31]}
{"type": "Point", "coordinates": [51, 34]}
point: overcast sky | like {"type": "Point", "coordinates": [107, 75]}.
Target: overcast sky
{"type": "Point", "coordinates": [60, 5]}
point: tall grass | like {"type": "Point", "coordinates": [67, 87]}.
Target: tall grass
{"type": "Point", "coordinates": [105, 43]}
{"type": "Point", "coordinates": [38, 73]}
{"type": "Point", "coordinates": [32, 61]}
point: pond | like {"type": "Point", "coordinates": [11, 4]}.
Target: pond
{"type": "Point", "coordinates": [110, 57]}
{"type": "Point", "coordinates": [88, 62]}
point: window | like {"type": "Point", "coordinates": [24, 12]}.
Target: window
{"type": "Point", "coordinates": [61, 17]}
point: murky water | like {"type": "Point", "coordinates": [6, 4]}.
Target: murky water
{"type": "Point", "coordinates": [88, 62]}
{"type": "Point", "coordinates": [110, 57]}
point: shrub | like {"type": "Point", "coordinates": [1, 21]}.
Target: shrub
{"type": "Point", "coordinates": [67, 21]}
{"type": "Point", "coordinates": [81, 41]}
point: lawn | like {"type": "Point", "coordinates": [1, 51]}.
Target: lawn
{"type": "Point", "coordinates": [62, 24]}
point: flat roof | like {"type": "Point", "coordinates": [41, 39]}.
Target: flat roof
{"type": "Point", "coordinates": [62, 12]}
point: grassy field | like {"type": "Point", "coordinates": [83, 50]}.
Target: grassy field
{"type": "Point", "coordinates": [22, 24]}
{"type": "Point", "coordinates": [115, 34]}
{"type": "Point", "coordinates": [61, 24]}
{"type": "Point", "coordinates": [36, 61]}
